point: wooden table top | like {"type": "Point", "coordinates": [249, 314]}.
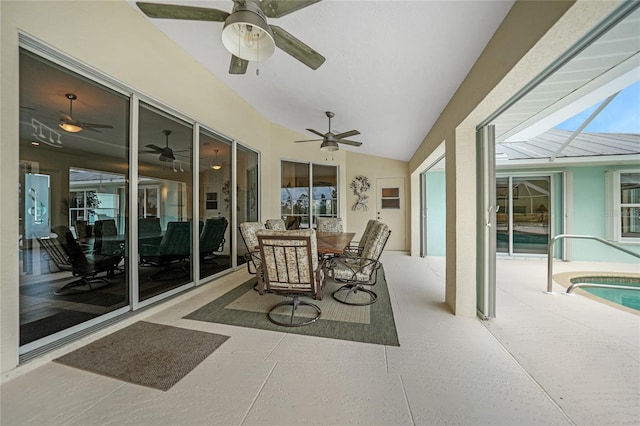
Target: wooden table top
{"type": "Point", "coordinates": [333, 242]}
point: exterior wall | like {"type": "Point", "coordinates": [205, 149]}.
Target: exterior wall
{"type": "Point", "coordinates": [589, 215]}
{"type": "Point", "coordinates": [142, 58]}
{"type": "Point", "coordinates": [531, 36]}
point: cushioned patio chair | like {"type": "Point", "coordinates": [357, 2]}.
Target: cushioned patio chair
{"type": "Point", "coordinates": [276, 224]}
{"type": "Point", "coordinates": [85, 266]}
{"type": "Point", "coordinates": [252, 257]}
{"type": "Point", "coordinates": [293, 222]}
{"type": "Point", "coordinates": [356, 247]}
{"type": "Point", "coordinates": [212, 238]}
{"type": "Point", "coordinates": [329, 224]}
{"type": "Point", "coordinates": [291, 267]}
{"type": "Point", "coordinates": [356, 272]}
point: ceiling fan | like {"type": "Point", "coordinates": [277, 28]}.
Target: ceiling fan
{"type": "Point", "coordinates": [69, 124]}
{"type": "Point", "coordinates": [246, 33]}
{"type": "Point", "coordinates": [166, 154]}
{"type": "Point", "coordinates": [331, 140]}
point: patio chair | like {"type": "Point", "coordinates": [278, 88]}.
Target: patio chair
{"type": "Point", "coordinates": [276, 224]}
{"type": "Point", "coordinates": [252, 257]}
{"type": "Point", "coordinates": [329, 224]}
{"type": "Point", "coordinates": [356, 247]}
{"type": "Point", "coordinates": [293, 222]}
{"type": "Point", "coordinates": [291, 267]}
{"type": "Point", "coordinates": [85, 266]}
{"type": "Point", "coordinates": [359, 271]}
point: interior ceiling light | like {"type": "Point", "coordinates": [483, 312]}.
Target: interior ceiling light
{"type": "Point", "coordinates": [246, 33]}
{"type": "Point", "coordinates": [217, 165]}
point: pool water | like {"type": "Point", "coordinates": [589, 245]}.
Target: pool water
{"type": "Point", "coordinates": [629, 298]}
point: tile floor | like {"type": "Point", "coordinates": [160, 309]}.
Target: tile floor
{"type": "Point", "coordinates": [544, 360]}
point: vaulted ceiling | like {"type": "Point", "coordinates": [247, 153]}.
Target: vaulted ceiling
{"type": "Point", "coordinates": [391, 66]}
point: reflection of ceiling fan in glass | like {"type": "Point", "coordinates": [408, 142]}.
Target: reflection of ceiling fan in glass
{"type": "Point", "coordinates": [69, 124]}
{"type": "Point", "coordinates": [166, 154]}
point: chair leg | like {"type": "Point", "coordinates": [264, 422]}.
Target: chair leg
{"type": "Point", "coordinates": [295, 303]}
{"type": "Point", "coordinates": [352, 289]}
{"type": "Point", "coordinates": [84, 281]}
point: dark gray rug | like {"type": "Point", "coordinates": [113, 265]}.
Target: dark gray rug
{"type": "Point", "coordinates": [244, 307]}
{"type": "Point", "coordinates": [146, 354]}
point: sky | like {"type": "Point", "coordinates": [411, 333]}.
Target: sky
{"type": "Point", "coordinates": [622, 115]}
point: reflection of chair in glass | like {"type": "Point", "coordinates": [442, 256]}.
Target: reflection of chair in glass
{"type": "Point", "coordinates": [149, 237]}
{"type": "Point", "coordinates": [293, 222]}
{"type": "Point", "coordinates": [101, 229]}
{"type": "Point", "coordinates": [174, 248]}
{"type": "Point", "coordinates": [359, 271]}
{"type": "Point", "coordinates": [53, 252]}
{"type": "Point", "coordinates": [329, 224]}
{"type": "Point", "coordinates": [212, 238]}
{"type": "Point", "coordinates": [85, 266]}
{"type": "Point", "coordinates": [291, 267]}
{"type": "Point", "coordinates": [276, 224]}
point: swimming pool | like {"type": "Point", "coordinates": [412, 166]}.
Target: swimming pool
{"type": "Point", "coordinates": [628, 295]}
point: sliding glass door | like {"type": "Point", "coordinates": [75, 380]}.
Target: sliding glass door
{"type": "Point", "coordinates": [74, 150]}
{"type": "Point", "coordinates": [165, 242]}
{"type": "Point", "coordinates": [523, 215]}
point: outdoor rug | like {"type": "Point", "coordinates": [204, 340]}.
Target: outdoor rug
{"type": "Point", "coordinates": [244, 307]}
{"type": "Point", "coordinates": [146, 354]}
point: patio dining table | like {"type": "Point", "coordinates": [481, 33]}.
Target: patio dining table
{"type": "Point", "coordinates": [333, 243]}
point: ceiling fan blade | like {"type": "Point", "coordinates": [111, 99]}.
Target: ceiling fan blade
{"type": "Point", "coordinates": [154, 147]}
{"type": "Point", "coordinates": [296, 48]}
{"type": "Point", "coordinates": [237, 65]}
{"type": "Point", "coordinates": [348, 142]}
{"type": "Point", "coordinates": [309, 140]}
{"type": "Point", "coordinates": [316, 132]}
{"type": "Point", "coordinates": [95, 126]}
{"type": "Point", "coordinates": [347, 134]}
{"type": "Point", "coordinates": [279, 8]}
{"type": "Point", "coordinates": [171, 11]}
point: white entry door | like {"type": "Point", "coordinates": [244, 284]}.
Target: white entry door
{"type": "Point", "coordinates": [391, 207]}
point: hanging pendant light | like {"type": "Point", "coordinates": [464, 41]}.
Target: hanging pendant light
{"type": "Point", "coordinates": [216, 165]}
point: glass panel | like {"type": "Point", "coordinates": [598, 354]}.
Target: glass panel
{"type": "Point", "coordinates": [502, 215]}
{"type": "Point", "coordinates": [530, 197]}
{"type": "Point", "coordinates": [630, 201]}
{"type": "Point", "coordinates": [165, 188]}
{"type": "Point", "coordinates": [390, 192]}
{"type": "Point", "coordinates": [390, 198]}
{"type": "Point", "coordinates": [215, 214]}
{"type": "Point", "coordinates": [631, 222]}
{"type": "Point", "coordinates": [247, 192]}
{"type": "Point", "coordinates": [73, 200]}
{"type": "Point", "coordinates": [294, 193]}
{"type": "Point", "coordinates": [324, 190]}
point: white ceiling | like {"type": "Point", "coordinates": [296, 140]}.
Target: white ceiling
{"type": "Point", "coordinates": [391, 66]}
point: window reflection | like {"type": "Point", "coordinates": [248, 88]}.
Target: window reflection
{"type": "Point", "coordinates": [214, 206]}
{"type": "Point", "coordinates": [165, 213]}
{"type": "Point", "coordinates": [73, 200]}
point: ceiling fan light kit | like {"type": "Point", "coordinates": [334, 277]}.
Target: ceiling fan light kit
{"type": "Point", "coordinates": [69, 124]}
{"type": "Point", "coordinates": [247, 35]}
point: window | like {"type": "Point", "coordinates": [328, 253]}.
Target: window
{"type": "Point", "coordinates": [624, 205]}
{"type": "Point", "coordinates": [308, 191]}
